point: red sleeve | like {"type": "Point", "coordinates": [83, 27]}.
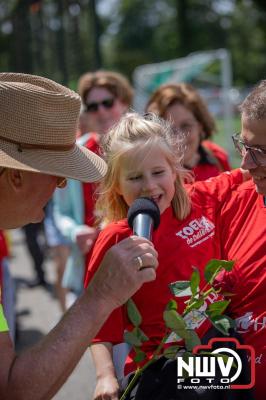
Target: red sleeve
{"type": "Point", "coordinates": [215, 190]}
{"type": "Point", "coordinates": [219, 153]}
{"type": "Point", "coordinates": [3, 245]}
{"type": "Point", "coordinates": [113, 329]}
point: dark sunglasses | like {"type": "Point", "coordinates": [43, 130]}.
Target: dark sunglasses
{"type": "Point", "coordinates": [94, 106]}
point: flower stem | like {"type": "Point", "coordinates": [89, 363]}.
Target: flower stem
{"type": "Point", "coordinates": [139, 371]}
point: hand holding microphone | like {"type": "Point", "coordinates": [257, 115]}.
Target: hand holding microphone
{"type": "Point", "coordinates": [143, 217]}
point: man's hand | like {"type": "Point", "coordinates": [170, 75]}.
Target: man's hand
{"type": "Point", "coordinates": [124, 269]}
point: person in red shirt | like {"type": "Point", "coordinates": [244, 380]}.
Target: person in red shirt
{"type": "Point", "coordinates": [242, 225]}
{"type": "Point", "coordinates": [144, 160]}
{"type": "Point", "coordinates": [181, 104]}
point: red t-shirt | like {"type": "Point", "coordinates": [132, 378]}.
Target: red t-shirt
{"type": "Point", "coordinates": [3, 253]}
{"type": "Point", "coordinates": [89, 188]}
{"type": "Point", "coordinates": [180, 245]}
{"type": "Point", "coordinates": [213, 161]}
{"type": "Point", "coordinates": [243, 232]}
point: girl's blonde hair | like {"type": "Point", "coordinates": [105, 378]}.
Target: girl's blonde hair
{"type": "Point", "coordinates": [137, 132]}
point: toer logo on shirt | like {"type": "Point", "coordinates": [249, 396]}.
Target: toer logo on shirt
{"type": "Point", "coordinates": [197, 231]}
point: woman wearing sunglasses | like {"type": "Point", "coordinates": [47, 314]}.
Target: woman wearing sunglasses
{"type": "Point", "coordinates": [106, 96]}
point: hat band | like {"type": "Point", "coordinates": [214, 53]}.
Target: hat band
{"type": "Point", "coordinates": [28, 146]}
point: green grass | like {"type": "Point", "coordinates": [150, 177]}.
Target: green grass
{"type": "Point", "coordinates": [224, 139]}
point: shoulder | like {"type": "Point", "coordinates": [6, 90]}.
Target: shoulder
{"type": "Point", "coordinates": [215, 148]}
{"type": "Point", "coordinates": [243, 194]}
{"type": "Point", "coordinates": [215, 189]}
{"type": "Point", "coordinates": [118, 227]}
{"type": "Point", "coordinates": [113, 233]}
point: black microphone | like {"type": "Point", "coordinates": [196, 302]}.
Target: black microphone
{"type": "Point", "coordinates": [143, 217]}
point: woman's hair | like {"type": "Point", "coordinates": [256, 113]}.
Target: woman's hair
{"type": "Point", "coordinates": [254, 105]}
{"type": "Point", "coordinates": [184, 94]}
{"type": "Point", "coordinates": [137, 133]}
{"type": "Point", "coordinates": [116, 83]}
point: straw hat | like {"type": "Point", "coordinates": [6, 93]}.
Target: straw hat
{"type": "Point", "coordinates": [38, 120]}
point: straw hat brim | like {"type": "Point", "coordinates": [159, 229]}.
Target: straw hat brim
{"type": "Point", "coordinates": [78, 163]}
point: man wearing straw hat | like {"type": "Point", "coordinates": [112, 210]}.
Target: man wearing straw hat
{"type": "Point", "coordinates": [37, 152]}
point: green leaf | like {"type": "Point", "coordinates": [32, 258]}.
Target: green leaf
{"type": "Point", "coordinates": [217, 308]}
{"type": "Point", "coordinates": [176, 323]}
{"type": "Point", "coordinates": [177, 288]}
{"type": "Point", "coordinates": [140, 334]}
{"type": "Point", "coordinates": [222, 323]}
{"type": "Point", "coordinates": [133, 313]}
{"type": "Point", "coordinates": [172, 305]}
{"type": "Point", "coordinates": [214, 266]}
{"type": "Point", "coordinates": [194, 281]}
{"type": "Point", "coordinates": [131, 338]}
{"type": "Point", "coordinates": [192, 340]}
{"type": "Point", "coordinates": [171, 351]}
{"type": "Point", "coordinates": [140, 356]}
{"type": "Point", "coordinates": [198, 303]}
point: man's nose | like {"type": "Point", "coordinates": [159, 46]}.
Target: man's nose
{"type": "Point", "coordinates": [247, 161]}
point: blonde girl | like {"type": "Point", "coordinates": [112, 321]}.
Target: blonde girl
{"type": "Point", "coordinates": [144, 159]}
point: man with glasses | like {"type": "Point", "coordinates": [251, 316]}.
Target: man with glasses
{"type": "Point", "coordinates": [243, 232]}
{"type": "Point", "coordinates": [37, 150]}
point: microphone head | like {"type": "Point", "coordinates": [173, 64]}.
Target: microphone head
{"type": "Point", "coordinates": [144, 205]}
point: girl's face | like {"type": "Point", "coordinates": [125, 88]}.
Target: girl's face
{"type": "Point", "coordinates": [183, 120]}
{"type": "Point", "coordinates": [147, 174]}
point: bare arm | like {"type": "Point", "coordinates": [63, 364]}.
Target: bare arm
{"type": "Point", "coordinates": [39, 372]}
{"type": "Point", "coordinates": [107, 386]}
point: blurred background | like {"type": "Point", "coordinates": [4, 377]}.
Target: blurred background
{"type": "Point", "coordinates": [62, 39]}
{"type": "Point", "coordinates": [217, 45]}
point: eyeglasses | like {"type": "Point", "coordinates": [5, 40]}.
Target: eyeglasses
{"type": "Point", "coordinates": [94, 106]}
{"type": "Point", "coordinates": [258, 155]}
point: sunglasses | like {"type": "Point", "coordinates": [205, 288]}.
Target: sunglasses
{"type": "Point", "coordinates": [94, 106]}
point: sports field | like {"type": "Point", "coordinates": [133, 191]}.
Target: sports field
{"type": "Point", "coordinates": [224, 139]}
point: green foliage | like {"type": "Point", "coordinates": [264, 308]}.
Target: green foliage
{"type": "Point", "coordinates": [176, 323]}
{"type": "Point", "coordinates": [171, 351]}
{"type": "Point", "coordinates": [214, 267]}
{"type": "Point", "coordinates": [133, 313]}
{"type": "Point", "coordinates": [63, 39]}
{"type": "Point", "coordinates": [177, 288]}
{"type": "Point", "coordinates": [192, 340]}
{"type": "Point", "coordinates": [194, 281]}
